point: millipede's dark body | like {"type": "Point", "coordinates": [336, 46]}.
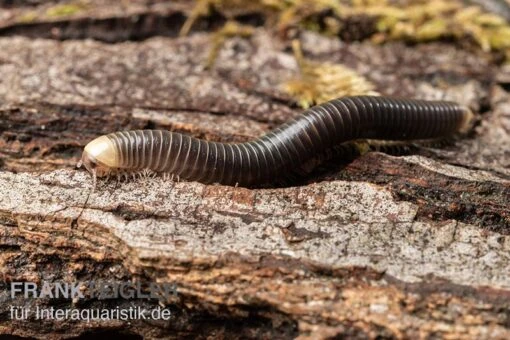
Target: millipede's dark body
{"type": "Point", "coordinates": [285, 148]}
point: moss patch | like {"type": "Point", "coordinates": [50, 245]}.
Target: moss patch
{"type": "Point", "coordinates": [411, 20]}
{"type": "Point", "coordinates": [321, 82]}
{"type": "Point", "coordinates": [65, 9]}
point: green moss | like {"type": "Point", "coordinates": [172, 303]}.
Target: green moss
{"type": "Point", "coordinates": [27, 17]}
{"type": "Point", "coordinates": [417, 20]}
{"type": "Point", "coordinates": [438, 19]}
{"type": "Point", "coordinates": [432, 30]}
{"type": "Point", "coordinates": [64, 10]}
{"type": "Point", "coordinates": [321, 82]}
{"type": "Point", "coordinates": [201, 8]}
{"type": "Point", "coordinates": [500, 39]}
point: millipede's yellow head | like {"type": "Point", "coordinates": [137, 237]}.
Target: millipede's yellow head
{"type": "Point", "coordinates": [99, 156]}
{"type": "Point", "coordinates": [468, 121]}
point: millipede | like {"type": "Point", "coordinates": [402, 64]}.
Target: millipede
{"type": "Point", "coordinates": [281, 150]}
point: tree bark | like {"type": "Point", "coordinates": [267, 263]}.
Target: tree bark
{"type": "Point", "coordinates": [383, 246]}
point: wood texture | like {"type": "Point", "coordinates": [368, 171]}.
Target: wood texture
{"type": "Point", "coordinates": [383, 246]}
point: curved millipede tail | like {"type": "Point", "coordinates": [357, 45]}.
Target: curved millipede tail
{"type": "Point", "coordinates": [285, 148]}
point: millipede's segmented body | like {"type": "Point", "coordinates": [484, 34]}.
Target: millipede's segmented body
{"type": "Point", "coordinates": [285, 148]}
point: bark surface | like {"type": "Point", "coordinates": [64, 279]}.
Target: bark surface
{"type": "Point", "coordinates": [382, 246]}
